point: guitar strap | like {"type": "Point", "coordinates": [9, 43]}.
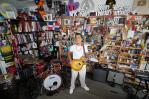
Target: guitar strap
{"type": "Point", "coordinates": [84, 50]}
{"type": "Point", "coordinates": [85, 21]}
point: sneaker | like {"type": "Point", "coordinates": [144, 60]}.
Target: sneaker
{"type": "Point", "coordinates": [86, 88]}
{"type": "Point", "coordinates": [70, 91]}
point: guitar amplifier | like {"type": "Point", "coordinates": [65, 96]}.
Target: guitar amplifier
{"type": "Point", "coordinates": [115, 77]}
{"type": "Point", "coordinates": [100, 74]}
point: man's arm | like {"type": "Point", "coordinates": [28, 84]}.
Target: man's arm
{"type": "Point", "coordinates": [70, 56]}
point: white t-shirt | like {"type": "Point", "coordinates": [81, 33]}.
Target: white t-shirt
{"type": "Point", "coordinates": [78, 51]}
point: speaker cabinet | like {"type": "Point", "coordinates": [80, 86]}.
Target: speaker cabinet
{"type": "Point", "coordinates": [100, 74]}
{"type": "Point", "coordinates": [115, 77]}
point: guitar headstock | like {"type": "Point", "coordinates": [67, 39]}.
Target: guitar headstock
{"type": "Point", "coordinates": [92, 56]}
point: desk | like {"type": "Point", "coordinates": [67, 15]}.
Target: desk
{"type": "Point", "coordinates": [7, 87]}
{"type": "Point", "coordinates": [6, 82]}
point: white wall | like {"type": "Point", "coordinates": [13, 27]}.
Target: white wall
{"type": "Point", "coordinates": [19, 3]}
{"type": "Point", "coordinates": [102, 2]}
{"type": "Point", "coordinates": [131, 3]}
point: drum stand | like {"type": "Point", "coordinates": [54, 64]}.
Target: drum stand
{"type": "Point", "coordinates": [42, 86]}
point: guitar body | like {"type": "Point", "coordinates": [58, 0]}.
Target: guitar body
{"type": "Point", "coordinates": [78, 64]}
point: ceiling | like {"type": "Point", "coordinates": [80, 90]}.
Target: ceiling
{"type": "Point", "coordinates": [19, 3]}
{"type": "Point", "coordinates": [22, 3]}
{"type": "Point", "coordinates": [30, 3]}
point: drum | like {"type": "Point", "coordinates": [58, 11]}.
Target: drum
{"type": "Point", "coordinates": [40, 67]}
{"type": "Point", "coordinates": [56, 66]}
{"type": "Point", "coordinates": [52, 82]}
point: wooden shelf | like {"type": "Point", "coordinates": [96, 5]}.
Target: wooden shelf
{"type": "Point", "coordinates": [31, 32]}
{"type": "Point", "coordinates": [117, 25]}
{"type": "Point", "coordinates": [70, 17]}
{"type": "Point", "coordinates": [110, 61]}
{"type": "Point", "coordinates": [145, 55]}
{"type": "Point", "coordinates": [101, 62]}
{"type": "Point", "coordinates": [131, 82]}
{"type": "Point", "coordinates": [116, 52]}
{"type": "Point", "coordinates": [124, 70]}
{"type": "Point", "coordinates": [124, 57]}
{"type": "Point", "coordinates": [9, 77]}
{"type": "Point", "coordinates": [10, 64]}
{"type": "Point", "coordinates": [139, 15]}
{"type": "Point", "coordinates": [111, 16]}
{"type": "Point", "coordinates": [25, 20]}
{"type": "Point", "coordinates": [95, 17]}
{"type": "Point", "coordinates": [63, 17]}
{"type": "Point", "coordinates": [130, 54]}
{"type": "Point", "coordinates": [123, 63]}
{"type": "Point", "coordinates": [113, 46]}
{"type": "Point", "coordinates": [131, 48]}
{"type": "Point", "coordinates": [115, 40]}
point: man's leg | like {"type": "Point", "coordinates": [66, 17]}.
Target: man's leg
{"type": "Point", "coordinates": [82, 74]}
{"type": "Point", "coordinates": [74, 75]}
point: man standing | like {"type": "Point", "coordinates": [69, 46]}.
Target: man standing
{"type": "Point", "coordinates": [75, 53]}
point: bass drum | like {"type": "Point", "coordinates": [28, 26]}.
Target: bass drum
{"type": "Point", "coordinates": [52, 82]}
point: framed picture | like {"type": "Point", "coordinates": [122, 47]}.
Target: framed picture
{"type": "Point", "coordinates": [67, 21]}
{"type": "Point", "coordinates": [79, 20]}
{"type": "Point", "coordinates": [10, 15]}
{"type": "Point", "coordinates": [141, 3]}
{"type": "Point", "coordinates": [47, 17]}
{"type": "Point", "coordinates": [113, 31]}
{"type": "Point", "coordinates": [92, 20]}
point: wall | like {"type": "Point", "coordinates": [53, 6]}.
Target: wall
{"type": "Point", "coordinates": [131, 3]}
{"type": "Point", "coordinates": [94, 3]}
{"type": "Point", "coordinates": [19, 3]}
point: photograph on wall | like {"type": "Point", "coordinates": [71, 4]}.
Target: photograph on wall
{"type": "Point", "coordinates": [67, 21]}
{"type": "Point", "coordinates": [141, 3]}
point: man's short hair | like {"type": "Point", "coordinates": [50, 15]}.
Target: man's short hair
{"type": "Point", "coordinates": [79, 34]}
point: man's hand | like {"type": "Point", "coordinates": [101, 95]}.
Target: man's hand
{"type": "Point", "coordinates": [73, 60]}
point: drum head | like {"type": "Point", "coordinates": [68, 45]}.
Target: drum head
{"type": "Point", "coordinates": [52, 82]}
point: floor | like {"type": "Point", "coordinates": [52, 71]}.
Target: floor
{"type": "Point", "coordinates": [30, 90]}
{"type": "Point", "coordinates": [98, 90]}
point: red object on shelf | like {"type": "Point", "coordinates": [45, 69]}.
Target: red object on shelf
{"type": "Point", "coordinates": [12, 70]}
{"type": "Point", "coordinates": [56, 64]}
{"type": "Point", "coordinates": [40, 67]}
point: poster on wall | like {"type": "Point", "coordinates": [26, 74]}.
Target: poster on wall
{"type": "Point", "coordinates": [141, 3]}
{"type": "Point", "coordinates": [87, 5]}
{"type": "Point", "coordinates": [10, 14]}
{"type": "Point", "coordinates": [141, 6]}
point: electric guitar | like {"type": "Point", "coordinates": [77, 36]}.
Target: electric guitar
{"type": "Point", "coordinates": [77, 64]}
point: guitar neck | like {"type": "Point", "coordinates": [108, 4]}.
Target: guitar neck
{"type": "Point", "coordinates": [89, 55]}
